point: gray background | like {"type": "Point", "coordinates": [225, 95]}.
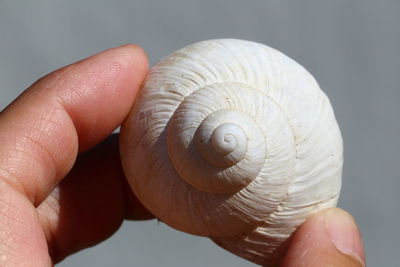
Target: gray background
{"type": "Point", "coordinates": [351, 47]}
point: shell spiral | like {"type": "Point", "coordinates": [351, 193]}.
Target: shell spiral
{"type": "Point", "coordinates": [233, 140]}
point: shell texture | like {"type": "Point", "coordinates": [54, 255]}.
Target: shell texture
{"type": "Point", "coordinates": [233, 140]}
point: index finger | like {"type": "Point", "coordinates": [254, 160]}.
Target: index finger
{"type": "Point", "coordinates": [67, 111]}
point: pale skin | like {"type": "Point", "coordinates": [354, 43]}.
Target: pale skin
{"type": "Point", "coordinates": [61, 185]}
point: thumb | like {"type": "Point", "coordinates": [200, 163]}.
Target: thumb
{"type": "Point", "coordinates": [328, 238]}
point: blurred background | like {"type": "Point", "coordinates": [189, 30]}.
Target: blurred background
{"type": "Point", "coordinates": [351, 47]}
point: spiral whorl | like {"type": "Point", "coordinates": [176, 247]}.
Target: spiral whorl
{"type": "Point", "coordinates": [223, 145]}
{"type": "Point", "coordinates": [226, 149]}
{"type": "Point", "coordinates": [228, 141]}
{"type": "Point", "coordinates": [227, 144]}
{"type": "Point", "coordinates": [233, 140]}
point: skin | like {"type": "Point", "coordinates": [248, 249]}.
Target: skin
{"type": "Point", "coordinates": [61, 184]}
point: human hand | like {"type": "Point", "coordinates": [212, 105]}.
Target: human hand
{"type": "Point", "coordinates": [43, 216]}
{"type": "Point", "coordinates": [54, 202]}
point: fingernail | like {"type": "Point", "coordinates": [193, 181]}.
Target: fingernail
{"type": "Point", "coordinates": [344, 234]}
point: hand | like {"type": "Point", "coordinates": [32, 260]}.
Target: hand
{"type": "Point", "coordinates": [43, 216]}
{"type": "Point", "coordinates": [53, 202]}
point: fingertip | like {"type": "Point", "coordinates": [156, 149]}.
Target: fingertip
{"type": "Point", "coordinates": [106, 85]}
{"type": "Point", "coordinates": [137, 65]}
{"type": "Point", "coordinates": [330, 237]}
{"type": "Point", "coordinates": [134, 55]}
{"type": "Point", "coordinates": [344, 233]}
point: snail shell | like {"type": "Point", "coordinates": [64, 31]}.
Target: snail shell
{"type": "Point", "coordinates": [233, 140]}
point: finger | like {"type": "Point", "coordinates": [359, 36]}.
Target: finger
{"type": "Point", "coordinates": [329, 238]}
{"type": "Point", "coordinates": [41, 132]}
{"type": "Point", "coordinates": [69, 110]}
{"type": "Point", "coordinates": [90, 203]}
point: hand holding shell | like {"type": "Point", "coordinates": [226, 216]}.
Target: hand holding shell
{"type": "Point", "coordinates": [233, 140]}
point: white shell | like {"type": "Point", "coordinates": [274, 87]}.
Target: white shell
{"type": "Point", "coordinates": [233, 140]}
